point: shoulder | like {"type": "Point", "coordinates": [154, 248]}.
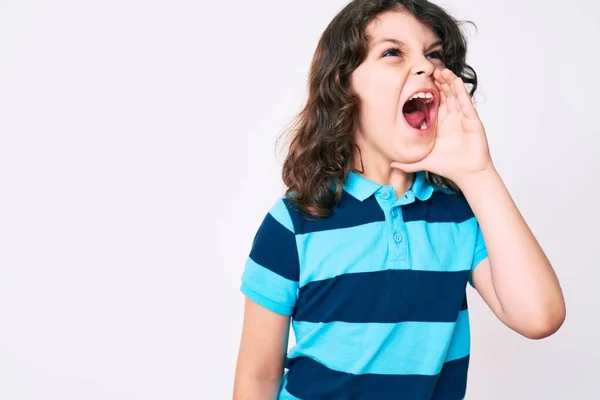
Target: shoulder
{"type": "Point", "coordinates": [281, 212]}
{"type": "Point", "coordinates": [285, 217]}
{"type": "Point", "coordinates": [287, 212]}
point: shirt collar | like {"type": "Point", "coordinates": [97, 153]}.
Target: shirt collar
{"type": "Point", "coordinates": [362, 188]}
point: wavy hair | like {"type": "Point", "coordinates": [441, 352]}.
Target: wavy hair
{"type": "Point", "coordinates": [321, 137]}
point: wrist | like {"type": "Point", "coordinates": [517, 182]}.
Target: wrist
{"type": "Point", "coordinates": [477, 180]}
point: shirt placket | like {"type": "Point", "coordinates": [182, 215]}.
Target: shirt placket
{"type": "Point", "coordinates": [399, 257]}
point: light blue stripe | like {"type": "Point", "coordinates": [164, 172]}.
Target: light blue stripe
{"type": "Point", "coordinates": [285, 395]}
{"type": "Point", "coordinates": [480, 254]}
{"type": "Point", "coordinates": [326, 254]}
{"type": "Point", "coordinates": [479, 257]}
{"type": "Point", "coordinates": [433, 246]}
{"type": "Point", "coordinates": [480, 249]}
{"type": "Point", "coordinates": [280, 212]}
{"type": "Point", "coordinates": [269, 289]}
{"type": "Point", "coordinates": [441, 246]}
{"type": "Point", "coordinates": [376, 348]}
{"type": "Point", "coordinates": [460, 346]}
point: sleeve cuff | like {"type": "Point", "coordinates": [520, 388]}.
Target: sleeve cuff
{"type": "Point", "coordinates": [269, 304]}
{"type": "Point", "coordinates": [479, 257]}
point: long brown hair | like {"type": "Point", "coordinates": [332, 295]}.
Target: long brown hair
{"type": "Point", "coordinates": [322, 145]}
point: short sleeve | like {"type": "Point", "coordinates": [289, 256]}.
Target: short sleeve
{"type": "Point", "coordinates": [479, 254]}
{"type": "Point", "coordinates": [271, 273]}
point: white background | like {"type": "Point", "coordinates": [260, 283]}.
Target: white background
{"type": "Point", "coordinates": [137, 158]}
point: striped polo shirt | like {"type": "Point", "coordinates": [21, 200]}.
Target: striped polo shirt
{"type": "Point", "coordinates": [376, 292]}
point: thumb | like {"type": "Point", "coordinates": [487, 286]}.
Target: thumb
{"type": "Point", "coordinates": [410, 167]}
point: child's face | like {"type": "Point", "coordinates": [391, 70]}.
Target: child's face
{"type": "Point", "coordinates": [390, 128]}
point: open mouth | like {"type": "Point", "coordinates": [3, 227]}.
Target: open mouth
{"type": "Point", "coordinates": [418, 110]}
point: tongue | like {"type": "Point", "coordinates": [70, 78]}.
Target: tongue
{"type": "Point", "coordinates": [415, 118]}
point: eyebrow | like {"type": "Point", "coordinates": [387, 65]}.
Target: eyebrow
{"type": "Point", "coordinates": [401, 44]}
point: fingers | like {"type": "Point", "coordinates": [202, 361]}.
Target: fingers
{"type": "Point", "coordinates": [437, 76]}
{"type": "Point", "coordinates": [451, 102]}
{"type": "Point", "coordinates": [464, 99]}
{"type": "Point", "coordinates": [454, 88]}
{"type": "Point", "coordinates": [447, 97]}
{"type": "Point", "coordinates": [448, 75]}
{"type": "Point", "coordinates": [438, 79]}
{"type": "Point", "coordinates": [448, 78]}
{"type": "Point", "coordinates": [443, 99]}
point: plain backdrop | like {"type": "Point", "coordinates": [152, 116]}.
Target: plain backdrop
{"type": "Point", "coordinates": [137, 159]}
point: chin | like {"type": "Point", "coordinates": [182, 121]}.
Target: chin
{"type": "Point", "coordinates": [414, 149]}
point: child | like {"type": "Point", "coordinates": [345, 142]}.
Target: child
{"type": "Point", "coordinates": [393, 206]}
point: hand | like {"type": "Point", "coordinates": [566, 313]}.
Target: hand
{"type": "Point", "coordinates": [460, 147]}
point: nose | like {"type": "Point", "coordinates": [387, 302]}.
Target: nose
{"type": "Point", "coordinates": [423, 66]}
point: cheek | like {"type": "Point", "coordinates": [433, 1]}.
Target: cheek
{"type": "Point", "coordinates": [384, 89]}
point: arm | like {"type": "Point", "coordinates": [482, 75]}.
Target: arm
{"type": "Point", "coordinates": [262, 352]}
{"type": "Point", "coordinates": [270, 284]}
{"type": "Point", "coordinates": [516, 280]}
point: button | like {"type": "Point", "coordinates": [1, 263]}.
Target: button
{"type": "Point", "coordinates": [394, 213]}
{"type": "Point", "coordinates": [398, 237]}
{"type": "Point", "coordinates": [385, 195]}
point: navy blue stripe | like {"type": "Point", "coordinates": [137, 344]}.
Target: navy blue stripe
{"type": "Point", "coordinates": [308, 379]}
{"type": "Point", "coordinates": [274, 248]}
{"type": "Point", "coordinates": [348, 213]}
{"type": "Point", "coordinates": [384, 296]}
{"type": "Point", "coordinates": [441, 207]}
{"type": "Point", "coordinates": [452, 381]}
{"type": "Point", "coordinates": [465, 305]}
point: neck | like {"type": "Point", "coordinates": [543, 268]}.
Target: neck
{"type": "Point", "coordinates": [379, 170]}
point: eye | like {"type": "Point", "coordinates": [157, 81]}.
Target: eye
{"type": "Point", "coordinates": [393, 50]}
{"type": "Point", "coordinates": [436, 55]}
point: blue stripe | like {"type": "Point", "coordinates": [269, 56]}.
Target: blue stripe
{"type": "Point", "coordinates": [480, 253]}
{"type": "Point", "coordinates": [349, 212]}
{"type": "Point", "coordinates": [283, 393]}
{"type": "Point", "coordinates": [308, 379]}
{"type": "Point", "coordinates": [384, 296]}
{"type": "Point", "coordinates": [452, 381]}
{"type": "Point", "coordinates": [460, 346]}
{"type": "Point", "coordinates": [269, 289]}
{"type": "Point", "coordinates": [441, 207]}
{"type": "Point", "coordinates": [274, 247]}
{"type": "Point", "coordinates": [359, 186]}
{"type": "Point", "coordinates": [327, 254]}
{"type": "Point", "coordinates": [281, 213]}
{"type": "Point", "coordinates": [480, 248]}
{"type": "Point", "coordinates": [444, 247]}
{"type": "Point", "coordinates": [405, 348]}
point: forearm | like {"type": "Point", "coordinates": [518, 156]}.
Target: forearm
{"type": "Point", "coordinates": [524, 281]}
{"type": "Point", "coordinates": [254, 388]}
